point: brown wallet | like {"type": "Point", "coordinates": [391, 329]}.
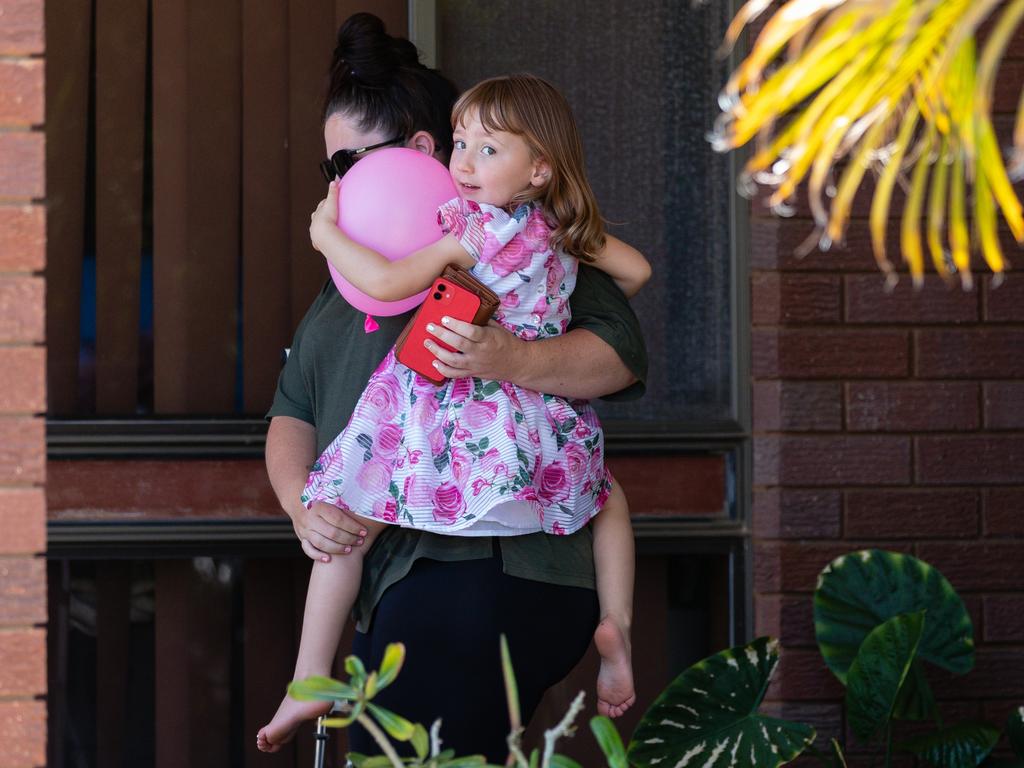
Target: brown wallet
{"type": "Point", "coordinates": [489, 300]}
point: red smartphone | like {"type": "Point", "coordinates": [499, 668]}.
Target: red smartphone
{"type": "Point", "coordinates": [445, 298]}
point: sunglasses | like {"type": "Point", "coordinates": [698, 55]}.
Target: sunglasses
{"type": "Point", "coordinates": [338, 164]}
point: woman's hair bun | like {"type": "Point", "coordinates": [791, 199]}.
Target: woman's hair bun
{"type": "Point", "coordinates": [369, 53]}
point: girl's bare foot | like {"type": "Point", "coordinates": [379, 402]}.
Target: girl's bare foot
{"type": "Point", "coordinates": [289, 716]}
{"type": "Point", "coordinates": [615, 692]}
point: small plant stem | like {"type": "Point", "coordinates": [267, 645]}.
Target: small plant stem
{"type": "Point", "coordinates": [380, 738]}
{"type": "Point", "coordinates": [515, 750]}
{"type": "Point", "coordinates": [552, 735]}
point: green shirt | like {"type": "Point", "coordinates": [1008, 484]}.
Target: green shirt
{"type": "Point", "coordinates": [330, 362]}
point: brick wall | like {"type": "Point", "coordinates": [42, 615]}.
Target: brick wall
{"type": "Point", "coordinates": [22, 387]}
{"type": "Point", "coordinates": [891, 420]}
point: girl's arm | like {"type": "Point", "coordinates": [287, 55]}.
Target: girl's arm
{"type": "Point", "coordinates": [624, 264]}
{"type": "Point", "coordinates": [371, 272]}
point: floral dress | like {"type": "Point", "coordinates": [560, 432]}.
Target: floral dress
{"type": "Point", "coordinates": [474, 457]}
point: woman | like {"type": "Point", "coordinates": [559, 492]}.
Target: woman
{"type": "Point", "coordinates": [447, 598]}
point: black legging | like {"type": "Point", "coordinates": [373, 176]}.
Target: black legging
{"type": "Point", "coordinates": [450, 615]}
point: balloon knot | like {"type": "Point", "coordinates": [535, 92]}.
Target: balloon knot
{"type": "Point", "coordinates": [370, 325]}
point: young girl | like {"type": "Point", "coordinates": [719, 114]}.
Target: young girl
{"type": "Point", "coordinates": [473, 457]}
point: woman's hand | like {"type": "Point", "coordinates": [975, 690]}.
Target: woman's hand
{"type": "Point", "coordinates": [488, 352]}
{"type": "Point", "coordinates": [325, 530]}
{"type": "Point", "coordinates": [325, 217]}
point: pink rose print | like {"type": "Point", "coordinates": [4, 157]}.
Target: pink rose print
{"type": "Point", "coordinates": [417, 494]}
{"type": "Point", "coordinates": [527, 334]}
{"type": "Point", "coordinates": [491, 463]}
{"type": "Point", "coordinates": [383, 394]}
{"type": "Point", "coordinates": [510, 428]}
{"type": "Point", "coordinates": [374, 476]}
{"type": "Point", "coordinates": [582, 430]}
{"type": "Point", "coordinates": [553, 483]}
{"type": "Point", "coordinates": [512, 394]}
{"type": "Point", "coordinates": [461, 389]}
{"type": "Point", "coordinates": [510, 300]}
{"type": "Point", "coordinates": [448, 503]}
{"type": "Point", "coordinates": [479, 413]}
{"type": "Point", "coordinates": [461, 463]}
{"type": "Point", "coordinates": [576, 461]}
{"type": "Point", "coordinates": [478, 485]}
{"type": "Point", "coordinates": [556, 273]}
{"type": "Point", "coordinates": [388, 440]}
{"type": "Point", "coordinates": [541, 307]}
{"type": "Point", "coordinates": [557, 529]}
{"type": "Point", "coordinates": [529, 493]}
{"type": "Point", "coordinates": [424, 411]}
{"type": "Point", "coordinates": [512, 258]}
{"type": "Point", "coordinates": [461, 433]}
{"type": "Point", "coordinates": [386, 511]}
{"type": "Point", "coordinates": [602, 496]}
{"type": "Point", "coordinates": [414, 457]}
{"type": "Point", "coordinates": [537, 231]}
{"type": "Point", "coordinates": [437, 441]}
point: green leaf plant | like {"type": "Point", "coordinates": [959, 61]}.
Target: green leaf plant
{"type": "Point", "coordinates": [881, 618]}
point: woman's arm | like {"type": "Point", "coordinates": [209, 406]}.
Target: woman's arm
{"type": "Point", "coordinates": [624, 264]}
{"type": "Point", "coordinates": [371, 272]}
{"type": "Point", "coordinates": [324, 529]}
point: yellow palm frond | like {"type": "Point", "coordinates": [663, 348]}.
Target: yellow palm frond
{"type": "Point", "coordinates": [896, 86]}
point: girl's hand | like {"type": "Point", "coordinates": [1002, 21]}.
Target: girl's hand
{"type": "Point", "coordinates": [325, 217]}
{"type": "Point", "coordinates": [488, 352]}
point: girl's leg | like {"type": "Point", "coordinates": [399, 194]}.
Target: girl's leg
{"type": "Point", "coordinates": [450, 616]}
{"type": "Point", "coordinates": [333, 588]}
{"type": "Point", "coordinates": [615, 564]}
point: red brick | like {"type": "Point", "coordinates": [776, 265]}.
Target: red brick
{"type": "Point", "coordinates": [774, 242]}
{"type": "Point", "coordinates": [998, 672]}
{"type": "Point", "coordinates": [22, 591]}
{"type": "Point", "coordinates": [780, 299]}
{"type": "Point", "coordinates": [23, 733]}
{"type": "Point", "coordinates": [787, 513]}
{"type": "Point", "coordinates": [997, 711]}
{"type": "Point", "coordinates": [22, 520]}
{"type": "Point", "coordinates": [987, 564]}
{"type": "Point", "coordinates": [1004, 404]}
{"type": "Point", "coordinates": [1005, 303]}
{"type": "Point", "coordinates": [797, 406]}
{"type": "Point", "coordinates": [965, 354]}
{"type": "Point", "coordinates": [22, 380]}
{"type": "Point", "coordinates": [821, 354]}
{"type": "Point", "coordinates": [22, 451]}
{"type": "Point", "coordinates": [786, 566]}
{"type": "Point", "coordinates": [1003, 511]}
{"type": "Point", "coordinates": [22, 165]}
{"type": "Point", "coordinates": [868, 301]}
{"type": "Point", "coordinates": [22, 662]}
{"type": "Point", "coordinates": [911, 406]}
{"type": "Point", "coordinates": [790, 619]}
{"type": "Point", "coordinates": [1004, 618]}
{"type": "Point", "coordinates": [21, 26]}
{"type": "Point", "coordinates": [970, 460]}
{"type": "Point", "coordinates": [22, 238]}
{"type": "Point", "coordinates": [826, 719]}
{"type": "Point", "coordinates": [831, 461]}
{"type": "Point", "coordinates": [803, 676]}
{"type": "Point", "coordinates": [22, 309]}
{"type": "Point", "coordinates": [1006, 93]}
{"type": "Point", "coordinates": [21, 91]}
{"type": "Point", "coordinates": [911, 514]}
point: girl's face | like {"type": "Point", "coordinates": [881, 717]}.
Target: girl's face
{"type": "Point", "coordinates": [492, 168]}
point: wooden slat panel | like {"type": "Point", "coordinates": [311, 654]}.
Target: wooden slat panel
{"type": "Point", "coordinates": [58, 624]}
{"type": "Point", "coordinates": [209, 665]}
{"type": "Point", "coordinates": [394, 13]}
{"type": "Point", "coordinates": [269, 652]}
{"type": "Point", "coordinates": [120, 135]}
{"type": "Point", "coordinates": [170, 202]}
{"type": "Point", "coordinates": [266, 272]}
{"type": "Point", "coordinates": [171, 629]}
{"type": "Point", "coordinates": [311, 35]}
{"type": "Point", "coordinates": [68, 25]}
{"type": "Point", "coordinates": [113, 593]}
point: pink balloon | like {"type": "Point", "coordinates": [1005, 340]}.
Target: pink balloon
{"type": "Point", "coordinates": [388, 201]}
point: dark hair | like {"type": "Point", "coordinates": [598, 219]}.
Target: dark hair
{"type": "Point", "coordinates": [379, 80]}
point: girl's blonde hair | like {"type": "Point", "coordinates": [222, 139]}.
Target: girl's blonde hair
{"type": "Point", "coordinates": [527, 106]}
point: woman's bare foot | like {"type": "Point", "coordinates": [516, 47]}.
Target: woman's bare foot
{"type": "Point", "coordinates": [289, 716]}
{"type": "Point", "coordinates": [615, 692]}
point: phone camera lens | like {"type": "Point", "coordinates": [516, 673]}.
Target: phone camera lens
{"type": "Point", "coordinates": [437, 296]}
{"type": "Point", "coordinates": [442, 288]}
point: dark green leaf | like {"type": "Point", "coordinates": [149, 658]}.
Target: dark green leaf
{"type": "Point", "coordinates": [561, 761]}
{"type": "Point", "coordinates": [915, 700]}
{"type": "Point", "coordinates": [491, 387]}
{"type": "Point", "coordinates": [837, 754]}
{"type": "Point", "coordinates": [858, 591]}
{"type": "Point", "coordinates": [878, 671]}
{"type": "Point", "coordinates": [708, 716]}
{"type": "Point", "coordinates": [964, 745]}
{"type": "Point", "coordinates": [511, 689]}
{"type": "Point", "coordinates": [1015, 731]}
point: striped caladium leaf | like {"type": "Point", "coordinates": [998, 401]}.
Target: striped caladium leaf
{"type": "Point", "coordinates": [859, 591]}
{"type": "Point", "coordinates": [708, 716]}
